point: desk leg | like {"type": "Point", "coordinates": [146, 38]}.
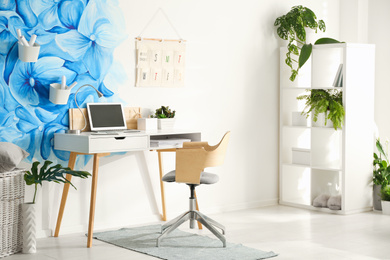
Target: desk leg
{"type": "Point", "coordinates": [160, 166]}
{"type": "Point", "coordinates": [71, 163]}
{"type": "Point", "coordinates": [96, 158]}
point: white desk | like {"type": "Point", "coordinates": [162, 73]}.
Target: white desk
{"type": "Point", "coordinates": [103, 145]}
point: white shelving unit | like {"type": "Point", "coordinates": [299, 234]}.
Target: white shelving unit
{"type": "Point", "coordinates": [340, 160]}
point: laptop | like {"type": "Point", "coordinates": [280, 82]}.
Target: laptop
{"type": "Point", "coordinates": [107, 118]}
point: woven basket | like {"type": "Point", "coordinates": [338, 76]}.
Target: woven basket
{"type": "Point", "coordinates": [11, 199]}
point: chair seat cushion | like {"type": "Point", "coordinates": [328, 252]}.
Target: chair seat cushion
{"type": "Point", "coordinates": [205, 177]}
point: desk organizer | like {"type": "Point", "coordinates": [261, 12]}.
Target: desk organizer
{"type": "Point", "coordinates": [147, 124]}
{"type": "Point", "coordinates": [57, 95]}
{"type": "Point", "coordinates": [11, 200]}
{"type": "Point", "coordinates": [28, 53]}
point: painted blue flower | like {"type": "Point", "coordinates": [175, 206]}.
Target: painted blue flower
{"type": "Point", "coordinates": [29, 82]}
{"type": "Point", "coordinates": [98, 33]}
{"type": "Point", "coordinates": [9, 22]}
{"type": "Point", "coordinates": [55, 15]}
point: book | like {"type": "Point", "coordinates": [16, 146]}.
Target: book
{"type": "Point", "coordinates": [338, 80]}
{"type": "Point", "coordinates": [169, 142]}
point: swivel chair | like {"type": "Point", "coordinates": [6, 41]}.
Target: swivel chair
{"type": "Point", "coordinates": [191, 160]}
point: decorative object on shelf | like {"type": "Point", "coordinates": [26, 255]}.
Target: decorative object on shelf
{"type": "Point", "coordinates": [78, 131]}
{"type": "Point", "coordinates": [327, 101]}
{"type": "Point", "coordinates": [34, 177]}
{"type": "Point", "coordinates": [385, 195]}
{"type": "Point", "coordinates": [321, 201]}
{"type": "Point", "coordinates": [381, 172]}
{"type": "Point", "coordinates": [292, 27]}
{"type": "Point", "coordinates": [334, 202]}
{"type": "Point", "coordinates": [301, 156]}
{"type": "Point", "coordinates": [147, 124]}
{"type": "Point", "coordinates": [165, 117]}
{"type": "Point", "coordinates": [160, 62]}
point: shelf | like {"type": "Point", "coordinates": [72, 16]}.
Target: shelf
{"type": "Point", "coordinates": [334, 169]}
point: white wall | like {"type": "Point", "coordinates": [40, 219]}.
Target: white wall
{"type": "Point", "coordinates": [232, 83]}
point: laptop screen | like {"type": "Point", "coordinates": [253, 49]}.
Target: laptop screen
{"type": "Point", "coordinates": [106, 116]}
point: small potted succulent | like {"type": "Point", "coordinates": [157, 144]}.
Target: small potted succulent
{"type": "Point", "coordinates": [34, 177]}
{"type": "Point", "coordinates": [165, 117]}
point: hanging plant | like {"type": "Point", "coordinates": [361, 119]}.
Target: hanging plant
{"type": "Point", "coordinates": [292, 28]}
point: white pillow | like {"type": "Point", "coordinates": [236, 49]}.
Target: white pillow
{"type": "Point", "coordinates": [10, 156]}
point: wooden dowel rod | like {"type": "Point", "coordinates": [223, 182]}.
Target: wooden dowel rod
{"type": "Point", "coordinates": [155, 39]}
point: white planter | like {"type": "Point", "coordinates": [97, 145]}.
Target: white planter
{"type": "Point", "coordinates": [321, 121]}
{"type": "Point", "coordinates": [147, 124]}
{"type": "Point", "coordinates": [29, 228]}
{"type": "Point", "coordinates": [386, 207]}
{"type": "Point", "coordinates": [300, 120]}
{"type": "Point", "coordinates": [58, 95]}
{"type": "Point", "coordinates": [166, 123]}
{"type": "Point", "coordinates": [28, 53]}
{"type": "Point", "coordinates": [301, 156]}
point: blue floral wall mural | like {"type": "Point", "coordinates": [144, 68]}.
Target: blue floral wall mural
{"type": "Point", "coordinates": [77, 39]}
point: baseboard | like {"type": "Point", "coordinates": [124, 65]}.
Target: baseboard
{"type": "Point", "coordinates": [154, 218]}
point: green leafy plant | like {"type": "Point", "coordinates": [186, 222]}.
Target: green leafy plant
{"type": "Point", "coordinates": [164, 112]}
{"type": "Point", "coordinates": [329, 101]}
{"type": "Point", "coordinates": [55, 174]}
{"type": "Point", "coordinates": [385, 193]}
{"type": "Point", "coordinates": [291, 27]}
{"type": "Point", "coordinates": [381, 171]}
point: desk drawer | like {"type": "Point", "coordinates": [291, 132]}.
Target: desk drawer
{"type": "Point", "coordinates": [118, 144]}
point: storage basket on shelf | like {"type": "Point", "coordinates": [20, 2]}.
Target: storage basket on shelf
{"type": "Point", "coordinates": [11, 199]}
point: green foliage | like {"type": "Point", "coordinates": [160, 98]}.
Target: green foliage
{"type": "Point", "coordinates": [385, 193]}
{"type": "Point", "coordinates": [381, 171]}
{"type": "Point", "coordinates": [291, 27]}
{"type": "Point", "coordinates": [164, 112]}
{"type": "Point", "coordinates": [55, 174]}
{"type": "Point", "coordinates": [307, 49]}
{"type": "Point", "coordinates": [329, 102]}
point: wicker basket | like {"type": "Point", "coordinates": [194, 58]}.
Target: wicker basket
{"type": "Point", "coordinates": [11, 199]}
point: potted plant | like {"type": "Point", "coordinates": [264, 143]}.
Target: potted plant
{"type": "Point", "coordinates": [165, 117]}
{"type": "Point", "coordinates": [381, 173]}
{"type": "Point", "coordinates": [292, 27]}
{"type": "Point", "coordinates": [385, 195]}
{"type": "Point", "coordinates": [325, 102]}
{"type": "Point", "coordinates": [55, 174]}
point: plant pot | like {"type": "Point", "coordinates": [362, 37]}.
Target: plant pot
{"type": "Point", "coordinates": [165, 123]}
{"type": "Point", "coordinates": [376, 195]}
{"type": "Point", "coordinates": [29, 228]}
{"type": "Point", "coordinates": [28, 53]}
{"type": "Point", "coordinates": [385, 207]}
{"type": "Point", "coordinates": [321, 121]}
{"type": "Point", "coordinates": [147, 124]}
{"type": "Point", "coordinates": [58, 95]}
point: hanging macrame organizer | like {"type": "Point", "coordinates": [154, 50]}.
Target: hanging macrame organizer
{"type": "Point", "coordinates": [160, 62]}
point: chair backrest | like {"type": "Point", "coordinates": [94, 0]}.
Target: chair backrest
{"type": "Point", "coordinates": [195, 156]}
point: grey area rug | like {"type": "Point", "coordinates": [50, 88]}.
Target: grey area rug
{"type": "Point", "coordinates": [179, 245]}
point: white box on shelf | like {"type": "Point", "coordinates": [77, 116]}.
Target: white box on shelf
{"type": "Point", "coordinates": [301, 156]}
{"type": "Point", "coordinates": [147, 124]}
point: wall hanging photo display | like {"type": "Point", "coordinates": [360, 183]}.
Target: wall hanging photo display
{"type": "Point", "coordinates": [160, 63]}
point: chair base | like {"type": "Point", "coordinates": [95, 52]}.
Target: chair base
{"type": "Point", "coordinates": [193, 215]}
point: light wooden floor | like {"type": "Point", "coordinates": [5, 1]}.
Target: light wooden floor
{"type": "Point", "coordinates": [293, 233]}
